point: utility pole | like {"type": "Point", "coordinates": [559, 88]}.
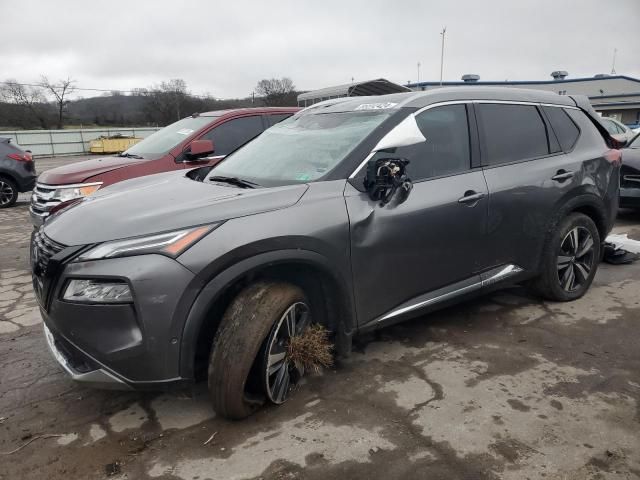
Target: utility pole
{"type": "Point", "coordinates": [418, 72]}
{"type": "Point", "coordinates": [443, 32]}
{"type": "Point", "coordinates": [613, 65]}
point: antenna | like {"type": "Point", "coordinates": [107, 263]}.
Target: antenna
{"type": "Point", "coordinates": [613, 65]}
{"type": "Point", "coordinates": [418, 72]}
{"type": "Point", "coordinates": [443, 32]}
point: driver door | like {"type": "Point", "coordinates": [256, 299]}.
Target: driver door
{"type": "Point", "coordinates": [432, 244]}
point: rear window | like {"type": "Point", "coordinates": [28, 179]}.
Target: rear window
{"type": "Point", "coordinates": [564, 128]}
{"type": "Point", "coordinates": [511, 133]}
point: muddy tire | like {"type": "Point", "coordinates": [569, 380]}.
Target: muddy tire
{"type": "Point", "coordinates": [8, 192]}
{"type": "Point", "coordinates": [237, 365]}
{"type": "Point", "coordinates": [570, 259]}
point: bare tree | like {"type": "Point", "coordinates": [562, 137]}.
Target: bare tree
{"type": "Point", "coordinates": [167, 101]}
{"type": "Point", "coordinates": [28, 98]}
{"type": "Point", "coordinates": [60, 91]}
{"type": "Point", "coordinates": [276, 91]}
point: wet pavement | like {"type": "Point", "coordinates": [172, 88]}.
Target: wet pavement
{"type": "Point", "coordinates": [504, 387]}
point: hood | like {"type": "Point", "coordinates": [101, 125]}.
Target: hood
{"type": "Point", "coordinates": [81, 171]}
{"type": "Point", "coordinates": [160, 203]}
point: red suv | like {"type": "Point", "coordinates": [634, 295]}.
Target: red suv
{"type": "Point", "coordinates": [200, 140]}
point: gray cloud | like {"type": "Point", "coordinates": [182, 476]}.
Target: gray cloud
{"type": "Point", "coordinates": [224, 48]}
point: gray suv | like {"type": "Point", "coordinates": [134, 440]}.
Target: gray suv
{"type": "Point", "coordinates": [355, 213]}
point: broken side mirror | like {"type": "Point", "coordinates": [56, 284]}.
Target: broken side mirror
{"type": "Point", "coordinates": [387, 178]}
{"type": "Point", "coordinates": [199, 149]}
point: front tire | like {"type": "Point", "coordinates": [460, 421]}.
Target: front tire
{"type": "Point", "coordinates": [248, 364]}
{"type": "Point", "coordinates": [8, 192]}
{"type": "Point", "coordinates": [570, 259]}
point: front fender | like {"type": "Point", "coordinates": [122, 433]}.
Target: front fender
{"type": "Point", "coordinates": [212, 291]}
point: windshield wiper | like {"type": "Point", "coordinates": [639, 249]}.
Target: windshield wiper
{"type": "Point", "coordinates": [130, 155]}
{"type": "Point", "coordinates": [238, 182]}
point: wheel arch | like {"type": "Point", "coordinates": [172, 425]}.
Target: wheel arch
{"type": "Point", "coordinates": [307, 269]}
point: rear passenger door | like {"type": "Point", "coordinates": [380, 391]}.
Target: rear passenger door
{"type": "Point", "coordinates": [528, 175]}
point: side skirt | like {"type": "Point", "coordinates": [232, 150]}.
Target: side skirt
{"type": "Point", "coordinates": [443, 296]}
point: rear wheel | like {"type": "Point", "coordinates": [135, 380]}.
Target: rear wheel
{"type": "Point", "coordinates": [249, 364]}
{"type": "Point", "coordinates": [570, 259]}
{"type": "Point", "coordinates": [8, 192]}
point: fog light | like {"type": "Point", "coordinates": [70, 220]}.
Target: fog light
{"type": "Point", "coordinates": [97, 291]}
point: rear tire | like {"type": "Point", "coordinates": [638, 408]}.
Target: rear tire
{"type": "Point", "coordinates": [238, 366]}
{"type": "Point", "coordinates": [8, 192]}
{"type": "Point", "coordinates": [569, 260]}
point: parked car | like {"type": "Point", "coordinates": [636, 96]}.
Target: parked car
{"type": "Point", "coordinates": [618, 130]}
{"type": "Point", "coordinates": [17, 172]}
{"type": "Point", "coordinates": [355, 213]}
{"type": "Point", "coordinates": [198, 140]}
{"type": "Point", "coordinates": [630, 175]}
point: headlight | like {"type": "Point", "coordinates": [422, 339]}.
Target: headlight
{"type": "Point", "coordinates": [97, 291]}
{"type": "Point", "coordinates": [170, 243]}
{"type": "Point", "coordinates": [71, 192]}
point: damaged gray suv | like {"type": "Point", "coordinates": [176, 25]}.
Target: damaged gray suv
{"type": "Point", "coordinates": [354, 214]}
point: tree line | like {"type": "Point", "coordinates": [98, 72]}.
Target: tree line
{"type": "Point", "coordinates": [47, 105]}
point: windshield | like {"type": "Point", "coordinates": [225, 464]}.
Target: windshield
{"type": "Point", "coordinates": [165, 139]}
{"type": "Point", "coordinates": [300, 149]}
{"type": "Point", "coordinates": [635, 142]}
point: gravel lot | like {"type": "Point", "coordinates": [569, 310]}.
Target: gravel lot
{"type": "Point", "coordinates": [503, 387]}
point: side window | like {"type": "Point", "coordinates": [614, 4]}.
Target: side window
{"type": "Point", "coordinates": [234, 133]}
{"type": "Point", "coordinates": [564, 128]}
{"type": "Point", "coordinates": [446, 151]}
{"type": "Point", "coordinates": [273, 119]}
{"type": "Point", "coordinates": [511, 133]}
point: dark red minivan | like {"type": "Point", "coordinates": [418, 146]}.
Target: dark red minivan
{"type": "Point", "coordinates": [199, 140]}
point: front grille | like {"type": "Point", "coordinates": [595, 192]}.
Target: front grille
{"type": "Point", "coordinates": [630, 181]}
{"type": "Point", "coordinates": [41, 200]}
{"type": "Point", "coordinates": [42, 249]}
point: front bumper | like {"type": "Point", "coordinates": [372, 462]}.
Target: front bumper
{"type": "Point", "coordinates": [119, 346]}
{"type": "Point", "coordinates": [98, 377]}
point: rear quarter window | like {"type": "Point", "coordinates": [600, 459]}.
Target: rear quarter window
{"type": "Point", "coordinates": [565, 129]}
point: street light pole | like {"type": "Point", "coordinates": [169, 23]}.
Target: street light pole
{"type": "Point", "coordinates": [443, 32]}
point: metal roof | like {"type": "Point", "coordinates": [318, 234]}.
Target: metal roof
{"type": "Point", "coordinates": [378, 86]}
{"type": "Point", "coordinates": [524, 82]}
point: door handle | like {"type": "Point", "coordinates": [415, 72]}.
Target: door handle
{"type": "Point", "coordinates": [471, 196]}
{"type": "Point", "coordinates": [562, 175]}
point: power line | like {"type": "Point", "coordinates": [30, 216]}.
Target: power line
{"type": "Point", "coordinates": [107, 90]}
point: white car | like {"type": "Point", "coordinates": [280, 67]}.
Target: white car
{"type": "Point", "coordinates": [618, 130]}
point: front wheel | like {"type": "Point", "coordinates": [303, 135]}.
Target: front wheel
{"type": "Point", "coordinates": [570, 259]}
{"type": "Point", "coordinates": [249, 363]}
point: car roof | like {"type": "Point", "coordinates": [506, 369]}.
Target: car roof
{"type": "Point", "coordinates": [254, 110]}
{"type": "Point", "coordinates": [445, 94]}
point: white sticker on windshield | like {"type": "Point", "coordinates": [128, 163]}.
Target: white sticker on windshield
{"type": "Point", "coordinates": [376, 106]}
{"type": "Point", "coordinates": [185, 131]}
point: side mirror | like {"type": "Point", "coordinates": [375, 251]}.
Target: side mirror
{"type": "Point", "coordinates": [387, 178]}
{"type": "Point", "coordinates": [199, 149]}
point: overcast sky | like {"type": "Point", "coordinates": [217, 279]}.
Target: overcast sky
{"type": "Point", "coordinates": [225, 47]}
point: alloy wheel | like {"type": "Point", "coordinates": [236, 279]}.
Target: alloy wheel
{"type": "Point", "coordinates": [575, 259]}
{"type": "Point", "coordinates": [6, 193]}
{"type": "Point", "coordinates": [281, 374]}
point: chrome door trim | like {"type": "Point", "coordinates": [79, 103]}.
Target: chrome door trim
{"type": "Point", "coordinates": [485, 279]}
